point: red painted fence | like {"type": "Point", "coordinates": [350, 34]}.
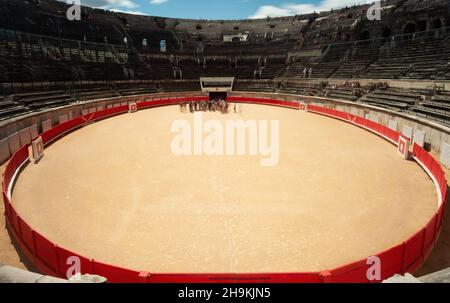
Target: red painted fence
{"type": "Point", "coordinates": [262, 101]}
{"type": "Point", "coordinates": [51, 259]}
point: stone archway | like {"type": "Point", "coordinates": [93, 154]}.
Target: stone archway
{"type": "Point", "coordinates": [436, 24]}
{"type": "Point", "coordinates": [408, 30]}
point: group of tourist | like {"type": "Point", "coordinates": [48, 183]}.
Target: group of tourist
{"type": "Point", "coordinates": [204, 106]}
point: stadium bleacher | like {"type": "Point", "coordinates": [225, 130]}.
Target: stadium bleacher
{"type": "Point", "coordinates": [118, 51]}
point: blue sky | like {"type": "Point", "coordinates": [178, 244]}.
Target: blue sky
{"type": "Point", "coordinates": [219, 9]}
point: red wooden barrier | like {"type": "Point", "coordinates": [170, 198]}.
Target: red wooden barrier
{"type": "Point", "coordinates": [15, 222]}
{"type": "Point", "coordinates": [192, 278]}
{"type": "Point", "coordinates": [14, 163]}
{"type": "Point", "coordinates": [7, 205]}
{"type": "Point", "coordinates": [236, 278]}
{"type": "Point", "coordinates": [73, 124]}
{"type": "Point", "coordinates": [107, 113]}
{"type": "Point", "coordinates": [352, 273]}
{"type": "Point", "coordinates": [61, 129]}
{"type": "Point", "coordinates": [119, 275]}
{"type": "Point", "coordinates": [51, 259]}
{"type": "Point", "coordinates": [413, 252]}
{"type": "Point", "coordinates": [430, 236]}
{"type": "Point", "coordinates": [279, 278]}
{"type": "Point", "coordinates": [28, 240]}
{"type": "Point", "coordinates": [440, 217]}
{"type": "Point", "coordinates": [46, 257]}
{"type": "Point", "coordinates": [261, 101]}
{"type": "Point", "coordinates": [391, 261]}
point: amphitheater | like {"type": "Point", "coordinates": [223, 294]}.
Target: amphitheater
{"type": "Point", "coordinates": [361, 161]}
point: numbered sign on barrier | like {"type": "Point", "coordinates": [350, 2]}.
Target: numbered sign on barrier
{"type": "Point", "coordinates": [38, 149]}
{"type": "Point", "coordinates": [132, 107]}
{"type": "Point", "coordinates": [302, 106]}
{"type": "Point", "coordinates": [403, 147]}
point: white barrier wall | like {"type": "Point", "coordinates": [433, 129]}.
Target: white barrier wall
{"type": "Point", "coordinates": [419, 138]}
{"type": "Point", "coordinates": [25, 136]}
{"type": "Point", "coordinates": [393, 125]}
{"type": "Point", "coordinates": [63, 118]}
{"type": "Point", "coordinates": [34, 132]}
{"type": "Point", "coordinates": [4, 150]}
{"type": "Point", "coordinates": [14, 143]}
{"type": "Point", "coordinates": [445, 154]}
{"type": "Point", "coordinates": [46, 125]}
{"type": "Point", "coordinates": [408, 132]}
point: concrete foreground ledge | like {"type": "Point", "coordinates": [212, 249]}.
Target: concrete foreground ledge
{"type": "Point", "coordinates": [442, 276]}
{"type": "Point", "coordinates": [9, 274]}
{"type": "Point", "coordinates": [408, 278]}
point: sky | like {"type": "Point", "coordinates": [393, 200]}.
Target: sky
{"type": "Point", "coordinates": [219, 9]}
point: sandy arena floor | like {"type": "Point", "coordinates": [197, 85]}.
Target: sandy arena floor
{"type": "Point", "coordinates": [113, 191]}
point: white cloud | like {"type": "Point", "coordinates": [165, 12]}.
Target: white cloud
{"type": "Point", "coordinates": [290, 9]}
{"type": "Point", "coordinates": [118, 10]}
{"type": "Point", "coordinates": [157, 2]}
{"type": "Point", "coordinates": [108, 4]}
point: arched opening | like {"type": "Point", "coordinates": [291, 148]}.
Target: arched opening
{"type": "Point", "coordinates": [387, 32]}
{"type": "Point", "coordinates": [436, 24]}
{"type": "Point", "coordinates": [422, 25]}
{"type": "Point", "coordinates": [365, 35]}
{"type": "Point", "coordinates": [409, 30]}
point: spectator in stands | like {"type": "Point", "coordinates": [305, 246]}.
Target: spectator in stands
{"type": "Point", "coordinates": [50, 55]}
{"type": "Point", "coordinates": [310, 73]}
{"type": "Point", "coordinates": [357, 93]}
{"type": "Point", "coordinates": [305, 71]}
